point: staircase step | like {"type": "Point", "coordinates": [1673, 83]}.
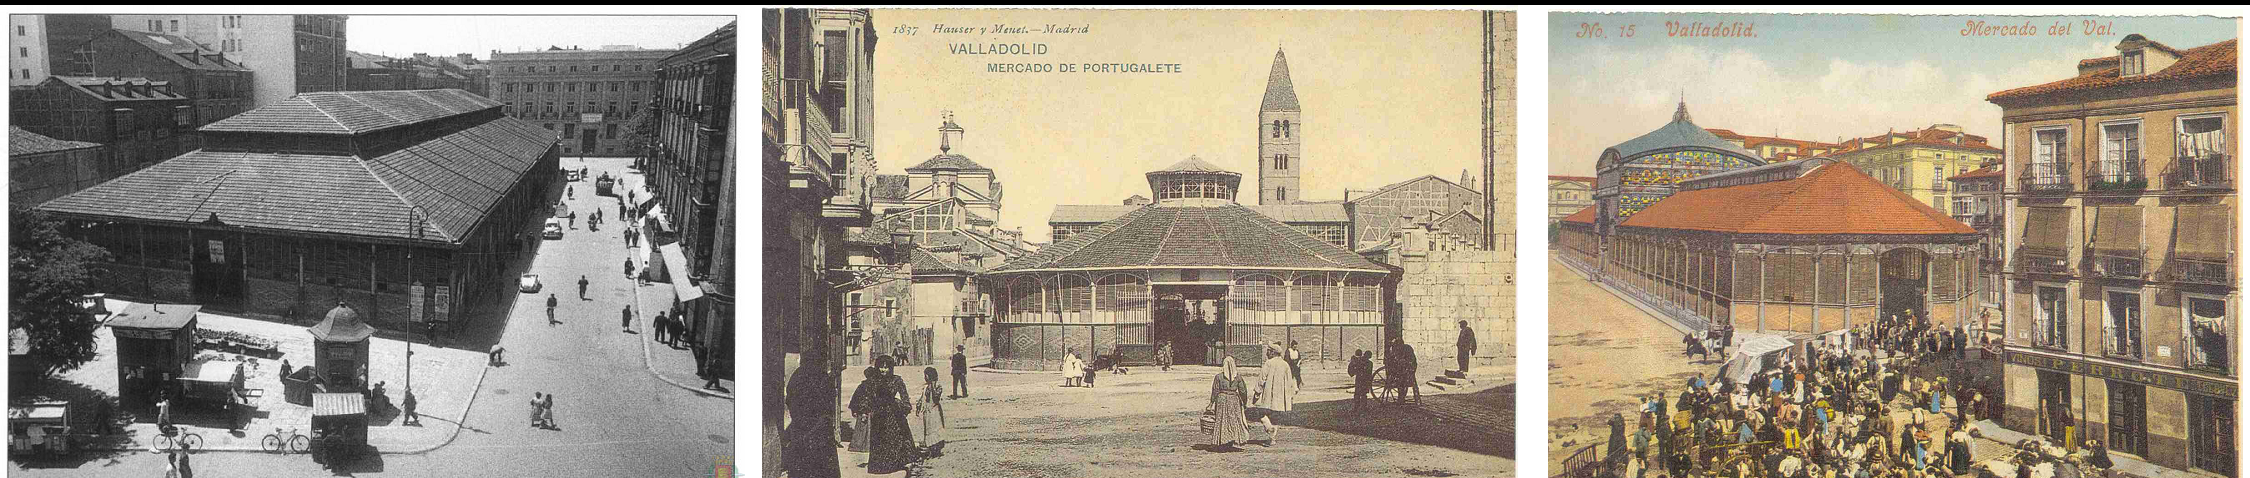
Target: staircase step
{"type": "Point", "coordinates": [1446, 380]}
{"type": "Point", "coordinates": [1456, 374]}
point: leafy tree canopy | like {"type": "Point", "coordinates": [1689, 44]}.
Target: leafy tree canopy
{"type": "Point", "coordinates": [48, 274]}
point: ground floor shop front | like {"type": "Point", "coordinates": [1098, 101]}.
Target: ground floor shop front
{"type": "Point", "coordinates": [2172, 419]}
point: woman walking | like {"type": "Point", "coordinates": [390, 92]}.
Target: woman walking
{"type": "Point", "coordinates": [1278, 391]}
{"type": "Point", "coordinates": [861, 422]}
{"type": "Point", "coordinates": [891, 445]}
{"type": "Point", "coordinates": [929, 408]}
{"type": "Point", "coordinates": [1229, 422]}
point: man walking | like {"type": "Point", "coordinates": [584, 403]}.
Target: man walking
{"type": "Point", "coordinates": [960, 371]}
{"type": "Point", "coordinates": [662, 327]}
{"type": "Point", "coordinates": [625, 319]}
{"type": "Point", "coordinates": [1465, 346]}
{"type": "Point", "coordinates": [411, 418]}
{"type": "Point", "coordinates": [551, 303]}
{"type": "Point", "coordinates": [582, 287]}
{"type": "Point", "coordinates": [628, 268]}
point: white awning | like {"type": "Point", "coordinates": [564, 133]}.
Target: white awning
{"type": "Point", "coordinates": [675, 265]}
{"type": "Point", "coordinates": [1749, 356]}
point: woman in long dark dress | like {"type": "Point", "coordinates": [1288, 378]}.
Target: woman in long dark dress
{"type": "Point", "coordinates": [886, 404]}
{"type": "Point", "coordinates": [1227, 404]}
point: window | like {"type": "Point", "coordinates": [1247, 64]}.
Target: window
{"type": "Point", "coordinates": [2131, 64]}
{"type": "Point", "coordinates": [550, 69]}
{"type": "Point", "coordinates": [570, 86]}
{"type": "Point", "coordinates": [636, 87]}
{"type": "Point", "coordinates": [574, 68]}
{"type": "Point", "coordinates": [2121, 152]}
{"type": "Point", "coordinates": [2054, 325]}
{"type": "Point", "coordinates": [2211, 429]}
{"type": "Point", "coordinates": [609, 130]}
{"type": "Point", "coordinates": [1281, 194]}
{"type": "Point", "coordinates": [570, 109]}
{"type": "Point", "coordinates": [1276, 129]}
{"type": "Point", "coordinates": [616, 86]}
{"type": "Point", "coordinates": [511, 87]}
{"type": "Point", "coordinates": [175, 26]}
{"type": "Point", "coordinates": [2207, 335]}
{"type": "Point", "coordinates": [2122, 328]}
{"type": "Point", "coordinates": [568, 131]}
{"type": "Point", "coordinates": [632, 106]}
{"type": "Point", "coordinates": [550, 108]}
{"type": "Point", "coordinates": [550, 87]}
{"type": "Point", "coordinates": [636, 68]}
{"type": "Point", "coordinates": [23, 52]}
{"type": "Point", "coordinates": [19, 30]}
{"type": "Point", "coordinates": [835, 69]}
{"type": "Point", "coordinates": [1281, 161]}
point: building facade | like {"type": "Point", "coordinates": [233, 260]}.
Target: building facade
{"type": "Point", "coordinates": [926, 301]}
{"type": "Point", "coordinates": [332, 198]}
{"type": "Point", "coordinates": [1918, 161]}
{"type": "Point", "coordinates": [216, 85]}
{"type": "Point", "coordinates": [42, 168]}
{"type": "Point", "coordinates": [140, 122]}
{"type": "Point", "coordinates": [1568, 194]}
{"type": "Point", "coordinates": [371, 72]}
{"type": "Point", "coordinates": [948, 175]}
{"type": "Point", "coordinates": [2122, 296]}
{"type": "Point", "coordinates": [50, 45]}
{"type": "Point", "coordinates": [1375, 215]}
{"type": "Point", "coordinates": [692, 176]}
{"type": "Point", "coordinates": [810, 198]}
{"type": "Point", "coordinates": [289, 54]}
{"type": "Point", "coordinates": [1978, 202]}
{"type": "Point", "coordinates": [587, 95]}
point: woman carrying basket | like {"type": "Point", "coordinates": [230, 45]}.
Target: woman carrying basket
{"type": "Point", "coordinates": [1225, 419]}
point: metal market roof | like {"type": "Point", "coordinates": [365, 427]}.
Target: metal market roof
{"type": "Point", "coordinates": [1286, 213]}
{"type": "Point", "coordinates": [353, 112]}
{"type": "Point", "coordinates": [2213, 60]}
{"type": "Point", "coordinates": [341, 325]}
{"type": "Point", "coordinates": [453, 180]}
{"type": "Point", "coordinates": [1280, 94]}
{"type": "Point", "coordinates": [23, 142]}
{"type": "Point", "coordinates": [338, 404]}
{"type": "Point", "coordinates": [1681, 133]}
{"type": "Point", "coordinates": [1226, 236]}
{"type": "Point", "coordinates": [1831, 199]}
{"type": "Point", "coordinates": [155, 316]}
{"type": "Point", "coordinates": [1194, 165]}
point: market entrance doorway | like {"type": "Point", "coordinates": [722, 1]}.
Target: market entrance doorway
{"type": "Point", "coordinates": [1192, 319]}
{"type": "Point", "coordinates": [1905, 283]}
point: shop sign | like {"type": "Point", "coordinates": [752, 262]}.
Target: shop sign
{"type": "Point", "coordinates": [2170, 380]}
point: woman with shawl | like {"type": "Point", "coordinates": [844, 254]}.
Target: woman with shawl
{"type": "Point", "coordinates": [1278, 392]}
{"type": "Point", "coordinates": [891, 445]}
{"type": "Point", "coordinates": [1227, 407]}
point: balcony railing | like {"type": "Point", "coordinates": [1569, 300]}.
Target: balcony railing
{"type": "Point", "coordinates": [2046, 177]}
{"type": "Point", "coordinates": [2115, 267]}
{"type": "Point", "coordinates": [2030, 263]}
{"type": "Point", "coordinates": [2199, 272]}
{"type": "Point", "coordinates": [2213, 171]}
{"type": "Point", "coordinates": [2116, 175]}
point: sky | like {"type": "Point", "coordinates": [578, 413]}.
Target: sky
{"type": "Point", "coordinates": [1812, 77]}
{"type": "Point", "coordinates": [1386, 97]}
{"type": "Point", "coordinates": [440, 35]}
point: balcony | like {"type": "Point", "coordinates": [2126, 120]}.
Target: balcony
{"type": "Point", "coordinates": [2115, 267]}
{"type": "Point", "coordinates": [2210, 171]}
{"type": "Point", "coordinates": [2045, 177]}
{"type": "Point", "coordinates": [804, 137]}
{"type": "Point", "coordinates": [2030, 263]}
{"type": "Point", "coordinates": [2200, 272]}
{"type": "Point", "coordinates": [2116, 175]}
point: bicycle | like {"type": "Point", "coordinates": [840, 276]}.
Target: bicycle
{"type": "Point", "coordinates": [185, 441]}
{"type": "Point", "coordinates": [286, 441]}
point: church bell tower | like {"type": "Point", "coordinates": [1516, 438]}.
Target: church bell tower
{"type": "Point", "coordinates": [1280, 150]}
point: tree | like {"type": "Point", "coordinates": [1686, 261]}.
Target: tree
{"type": "Point", "coordinates": [49, 273]}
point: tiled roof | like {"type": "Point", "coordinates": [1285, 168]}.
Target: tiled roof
{"type": "Point", "coordinates": [1217, 236]}
{"type": "Point", "coordinates": [2213, 60]}
{"type": "Point", "coordinates": [1194, 165]}
{"type": "Point", "coordinates": [1980, 173]}
{"type": "Point", "coordinates": [183, 51]}
{"type": "Point", "coordinates": [1585, 215]}
{"type": "Point", "coordinates": [926, 263]}
{"type": "Point", "coordinates": [1280, 94]}
{"type": "Point", "coordinates": [1285, 213]}
{"type": "Point", "coordinates": [1926, 137]}
{"type": "Point", "coordinates": [22, 142]}
{"type": "Point", "coordinates": [1832, 199]}
{"type": "Point", "coordinates": [353, 112]}
{"type": "Point", "coordinates": [1681, 133]}
{"type": "Point", "coordinates": [889, 186]}
{"type": "Point", "coordinates": [949, 161]}
{"type": "Point", "coordinates": [1088, 213]}
{"type": "Point", "coordinates": [363, 61]}
{"type": "Point", "coordinates": [455, 180]}
{"type": "Point", "coordinates": [121, 89]}
{"type": "Point", "coordinates": [1587, 179]}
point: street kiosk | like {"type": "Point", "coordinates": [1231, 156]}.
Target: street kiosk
{"type": "Point", "coordinates": [339, 425]}
{"type": "Point", "coordinates": [39, 427]}
{"type": "Point", "coordinates": [155, 343]}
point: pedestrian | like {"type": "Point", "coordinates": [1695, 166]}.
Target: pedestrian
{"type": "Point", "coordinates": [930, 407]}
{"type": "Point", "coordinates": [1071, 369]}
{"type": "Point", "coordinates": [625, 319]}
{"type": "Point", "coordinates": [662, 327]}
{"type": "Point", "coordinates": [627, 232]}
{"type": "Point", "coordinates": [808, 447]}
{"type": "Point", "coordinates": [1464, 346]}
{"type": "Point", "coordinates": [493, 358]}
{"type": "Point", "coordinates": [570, 191]}
{"type": "Point", "coordinates": [1277, 392]}
{"type": "Point", "coordinates": [1403, 364]}
{"type": "Point", "coordinates": [411, 418]}
{"type": "Point", "coordinates": [1226, 413]}
{"type": "Point", "coordinates": [884, 400]}
{"type": "Point", "coordinates": [536, 416]}
{"type": "Point", "coordinates": [1164, 356]}
{"type": "Point", "coordinates": [551, 303]}
{"type": "Point", "coordinates": [582, 287]}
{"type": "Point", "coordinates": [628, 267]}
{"type": "Point", "coordinates": [710, 369]}
{"type": "Point", "coordinates": [547, 411]}
{"type": "Point", "coordinates": [1295, 360]}
{"type": "Point", "coordinates": [960, 371]}
{"type": "Point", "coordinates": [573, 215]}
{"type": "Point", "coordinates": [1362, 371]}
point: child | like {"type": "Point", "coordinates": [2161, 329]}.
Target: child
{"type": "Point", "coordinates": [929, 406]}
{"type": "Point", "coordinates": [1164, 356]}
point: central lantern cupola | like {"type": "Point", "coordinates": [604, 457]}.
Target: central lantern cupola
{"type": "Point", "coordinates": [1193, 182]}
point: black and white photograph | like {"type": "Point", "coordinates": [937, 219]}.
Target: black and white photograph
{"type": "Point", "coordinates": [1128, 243]}
{"type": "Point", "coordinates": [371, 245]}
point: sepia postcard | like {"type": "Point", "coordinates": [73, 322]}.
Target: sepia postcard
{"type": "Point", "coordinates": [1057, 243]}
{"type": "Point", "coordinates": [1892, 245]}
{"type": "Point", "coordinates": [319, 245]}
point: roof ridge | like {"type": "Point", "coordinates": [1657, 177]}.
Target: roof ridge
{"type": "Point", "coordinates": [355, 100]}
{"type": "Point", "coordinates": [413, 209]}
{"type": "Point", "coordinates": [1164, 242]}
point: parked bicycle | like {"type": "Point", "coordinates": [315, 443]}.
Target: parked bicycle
{"type": "Point", "coordinates": [173, 438]}
{"type": "Point", "coordinates": [286, 440]}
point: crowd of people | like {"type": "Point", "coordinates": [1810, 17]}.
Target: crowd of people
{"type": "Point", "coordinates": [1890, 399]}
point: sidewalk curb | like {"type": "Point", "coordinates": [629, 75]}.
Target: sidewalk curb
{"type": "Point", "coordinates": [457, 421]}
{"type": "Point", "coordinates": [648, 356]}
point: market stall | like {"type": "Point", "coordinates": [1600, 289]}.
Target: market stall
{"type": "Point", "coordinates": [339, 425]}
{"type": "Point", "coordinates": [1753, 352]}
{"type": "Point", "coordinates": [155, 342]}
{"type": "Point", "coordinates": [212, 382]}
{"type": "Point", "coordinates": [40, 427]}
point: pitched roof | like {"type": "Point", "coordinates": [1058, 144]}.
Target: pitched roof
{"type": "Point", "coordinates": [182, 51]}
{"type": "Point", "coordinates": [1386, 189]}
{"type": "Point", "coordinates": [1194, 165]}
{"type": "Point", "coordinates": [1980, 173]}
{"type": "Point", "coordinates": [949, 161]}
{"type": "Point", "coordinates": [1681, 133]}
{"type": "Point", "coordinates": [1832, 199]}
{"type": "Point", "coordinates": [353, 112]}
{"type": "Point", "coordinates": [2213, 60]}
{"type": "Point", "coordinates": [1215, 236]}
{"type": "Point", "coordinates": [1925, 137]}
{"type": "Point", "coordinates": [120, 88]}
{"type": "Point", "coordinates": [454, 180]}
{"type": "Point", "coordinates": [23, 142]}
{"type": "Point", "coordinates": [1584, 215]}
{"type": "Point", "coordinates": [1285, 213]}
{"type": "Point", "coordinates": [926, 263]}
{"type": "Point", "coordinates": [1280, 94]}
{"type": "Point", "coordinates": [889, 186]}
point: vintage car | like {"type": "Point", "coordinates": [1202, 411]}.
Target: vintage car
{"type": "Point", "coordinates": [529, 284]}
{"type": "Point", "coordinates": [553, 230]}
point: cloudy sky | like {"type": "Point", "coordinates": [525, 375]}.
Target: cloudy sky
{"type": "Point", "coordinates": [1387, 96]}
{"type": "Point", "coordinates": [405, 35]}
{"type": "Point", "coordinates": [1814, 77]}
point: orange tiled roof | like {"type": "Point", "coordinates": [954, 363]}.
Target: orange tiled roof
{"type": "Point", "coordinates": [1980, 173]}
{"type": "Point", "coordinates": [1583, 215]}
{"type": "Point", "coordinates": [1927, 137]}
{"type": "Point", "coordinates": [1832, 199]}
{"type": "Point", "coordinates": [2211, 60]}
{"type": "Point", "coordinates": [1749, 141]}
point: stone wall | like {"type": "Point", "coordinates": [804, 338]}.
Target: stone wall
{"type": "Point", "coordinates": [1440, 288]}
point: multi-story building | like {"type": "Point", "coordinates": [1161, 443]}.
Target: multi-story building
{"type": "Point", "coordinates": [1917, 162]}
{"type": "Point", "coordinates": [462, 69]}
{"type": "Point", "coordinates": [140, 122]}
{"type": "Point", "coordinates": [289, 54]}
{"type": "Point", "coordinates": [1568, 194]}
{"type": "Point", "coordinates": [692, 176]}
{"type": "Point", "coordinates": [50, 45]}
{"type": "Point", "coordinates": [329, 198]}
{"type": "Point", "coordinates": [588, 95]}
{"type": "Point", "coordinates": [1774, 148]}
{"type": "Point", "coordinates": [819, 101]}
{"type": "Point", "coordinates": [216, 85]}
{"type": "Point", "coordinates": [2121, 311]}
{"type": "Point", "coordinates": [1977, 201]}
{"type": "Point", "coordinates": [371, 72]}
{"type": "Point", "coordinates": [42, 168]}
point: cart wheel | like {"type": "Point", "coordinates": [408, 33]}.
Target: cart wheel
{"type": "Point", "coordinates": [299, 444]}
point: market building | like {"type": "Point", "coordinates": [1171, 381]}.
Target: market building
{"type": "Point", "coordinates": [588, 95]}
{"type": "Point", "coordinates": [141, 122]}
{"type": "Point", "coordinates": [216, 85]}
{"type": "Point", "coordinates": [1918, 161]}
{"type": "Point", "coordinates": [691, 171]}
{"type": "Point", "coordinates": [1241, 281]}
{"type": "Point", "coordinates": [2122, 293]}
{"type": "Point", "coordinates": [42, 168]}
{"type": "Point", "coordinates": [408, 206]}
{"type": "Point", "coordinates": [1636, 173]}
